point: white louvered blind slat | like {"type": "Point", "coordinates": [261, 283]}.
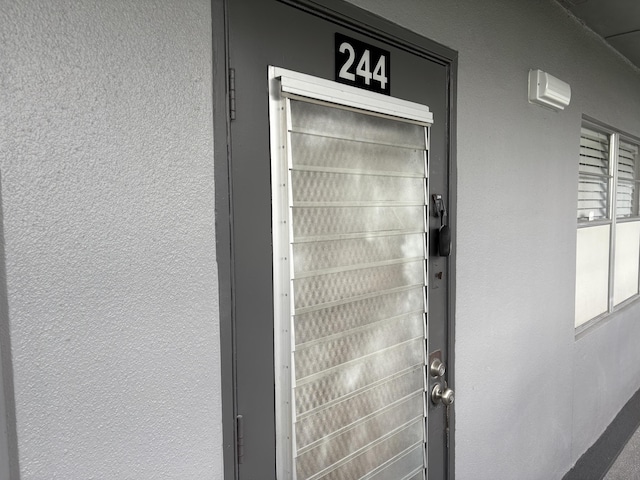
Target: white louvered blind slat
{"type": "Point", "coordinates": [593, 183]}
{"type": "Point", "coordinates": [627, 192]}
{"type": "Point", "coordinates": [357, 215]}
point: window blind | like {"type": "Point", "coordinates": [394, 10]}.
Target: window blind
{"type": "Point", "coordinates": [594, 175]}
{"type": "Point", "coordinates": [358, 247]}
{"type": "Point", "coordinates": [627, 191]}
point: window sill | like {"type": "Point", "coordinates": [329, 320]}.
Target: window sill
{"type": "Point", "coordinates": [604, 318]}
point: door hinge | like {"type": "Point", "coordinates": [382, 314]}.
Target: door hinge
{"type": "Point", "coordinates": [232, 93]}
{"type": "Point", "coordinates": [239, 438]}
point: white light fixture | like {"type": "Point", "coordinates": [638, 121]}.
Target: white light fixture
{"type": "Point", "coordinates": [548, 90]}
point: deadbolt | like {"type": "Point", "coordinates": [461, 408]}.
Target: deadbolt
{"type": "Point", "coordinates": [437, 368]}
{"type": "Point", "coordinates": [441, 394]}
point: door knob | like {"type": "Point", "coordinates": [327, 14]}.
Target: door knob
{"type": "Point", "coordinates": [441, 394]}
{"type": "Point", "coordinates": [437, 368]}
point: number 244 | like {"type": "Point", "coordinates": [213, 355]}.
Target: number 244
{"type": "Point", "coordinates": [363, 69]}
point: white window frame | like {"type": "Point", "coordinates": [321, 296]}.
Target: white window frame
{"type": "Point", "coordinates": [611, 219]}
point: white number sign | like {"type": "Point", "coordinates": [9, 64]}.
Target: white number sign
{"type": "Point", "coordinates": [354, 61]}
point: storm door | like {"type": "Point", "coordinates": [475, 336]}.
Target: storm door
{"type": "Point", "coordinates": [334, 296]}
{"type": "Point", "coordinates": [350, 250]}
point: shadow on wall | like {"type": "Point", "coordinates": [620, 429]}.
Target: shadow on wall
{"type": "Point", "coordinates": [9, 467]}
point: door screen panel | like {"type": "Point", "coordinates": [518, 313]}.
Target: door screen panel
{"type": "Point", "coordinates": [354, 326]}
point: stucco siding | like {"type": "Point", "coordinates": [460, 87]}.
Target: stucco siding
{"type": "Point", "coordinates": [107, 193]}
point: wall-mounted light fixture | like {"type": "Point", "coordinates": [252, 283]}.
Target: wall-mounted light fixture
{"type": "Point", "coordinates": [547, 90]}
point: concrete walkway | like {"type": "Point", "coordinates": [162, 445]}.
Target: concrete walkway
{"type": "Point", "coordinates": [627, 465]}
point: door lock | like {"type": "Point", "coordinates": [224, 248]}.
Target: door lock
{"type": "Point", "coordinates": [442, 394]}
{"type": "Point", "coordinates": [437, 368]}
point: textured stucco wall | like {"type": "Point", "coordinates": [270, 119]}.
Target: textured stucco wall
{"type": "Point", "coordinates": [107, 193]}
{"type": "Point", "coordinates": [530, 398]}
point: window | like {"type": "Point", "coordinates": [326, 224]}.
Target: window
{"type": "Point", "coordinates": [608, 236]}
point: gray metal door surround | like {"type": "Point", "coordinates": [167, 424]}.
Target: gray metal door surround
{"type": "Point", "coordinates": [300, 37]}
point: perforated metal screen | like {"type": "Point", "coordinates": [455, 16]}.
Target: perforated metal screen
{"type": "Point", "coordinates": [356, 211]}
